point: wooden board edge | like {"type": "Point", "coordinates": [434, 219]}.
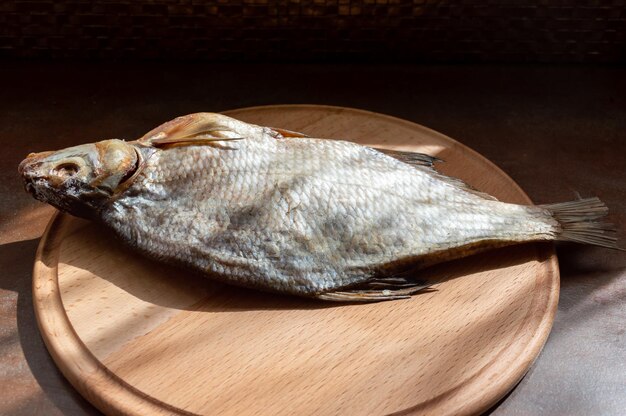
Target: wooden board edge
{"type": "Point", "coordinates": [500, 387]}
{"type": "Point", "coordinates": [88, 375]}
{"type": "Point", "coordinates": [91, 378]}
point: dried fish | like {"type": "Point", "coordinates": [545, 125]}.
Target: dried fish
{"type": "Point", "coordinates": [276, 210]}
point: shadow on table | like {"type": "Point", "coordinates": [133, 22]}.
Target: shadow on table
{"type": "Point", "coordinates": [16, 262]}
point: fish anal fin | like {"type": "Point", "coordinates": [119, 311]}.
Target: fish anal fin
{"type": "Point", "coordinates": [373, 292]}
{"type": "Point", "coordinates": [356, 296]}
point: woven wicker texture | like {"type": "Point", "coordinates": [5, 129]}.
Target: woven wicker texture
{"type": "Point", "coordinates": [317, 30]}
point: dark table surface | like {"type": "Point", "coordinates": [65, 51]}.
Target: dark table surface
{"type": "Point", "coordinates": [558, 131]}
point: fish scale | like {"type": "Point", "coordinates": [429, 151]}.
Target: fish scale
{"type": "Point", "coordinates": [275, 210]}
{"type": "Point", "coordinates": [350, 188]}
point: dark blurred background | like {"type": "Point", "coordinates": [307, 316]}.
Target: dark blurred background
{"type": "Point", "coordinates": [381, 31]}
{"type": "Point", "coordinates": [536, 86]}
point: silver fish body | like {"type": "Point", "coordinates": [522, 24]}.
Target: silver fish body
{"type": "Point", "coordinates": [311, 217]}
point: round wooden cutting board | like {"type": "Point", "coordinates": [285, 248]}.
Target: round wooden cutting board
{"type": "Point", "coordinates": [135, 337]}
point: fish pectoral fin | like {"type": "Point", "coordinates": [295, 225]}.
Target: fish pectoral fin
{"type": "Point", "coordinates": [375, 293]}
{"type": "Point", "coordinates": [198, 129]}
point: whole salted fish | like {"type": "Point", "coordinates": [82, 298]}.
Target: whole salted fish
{"type": "Point", "coordinates": [275, 210]}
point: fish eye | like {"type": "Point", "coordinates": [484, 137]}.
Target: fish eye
{"type": "Point", "coordinates": [66, 169]}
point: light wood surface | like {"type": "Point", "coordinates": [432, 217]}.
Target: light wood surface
{"type": "Point", "coordinates": [135, 337]}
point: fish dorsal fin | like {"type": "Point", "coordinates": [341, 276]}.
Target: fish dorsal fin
{"type": "Point", "coordinates": [199, 129]}
{"type": "Point", "coordinates": [427, 161]}
{"type": "Point", "coordinates": [410, 158]}
{"type": "Point", "coordinates": [287, 134]}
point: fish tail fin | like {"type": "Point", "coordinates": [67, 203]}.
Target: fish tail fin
{"type": "Point", "coordinates": [578, 221]}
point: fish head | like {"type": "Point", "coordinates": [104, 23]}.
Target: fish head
{"type": "Point", "coordinates": [80, 179]}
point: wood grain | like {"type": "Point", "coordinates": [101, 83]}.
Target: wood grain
{"type": "Point", "coordinates": [135, 337]}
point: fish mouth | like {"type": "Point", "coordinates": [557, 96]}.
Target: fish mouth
{"type": "Point", "coordinates": [34, 186]}
{"type": "Point", "coordinates": [27, 170]}
{"type": "Point", "coordinates": [30, 169]}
